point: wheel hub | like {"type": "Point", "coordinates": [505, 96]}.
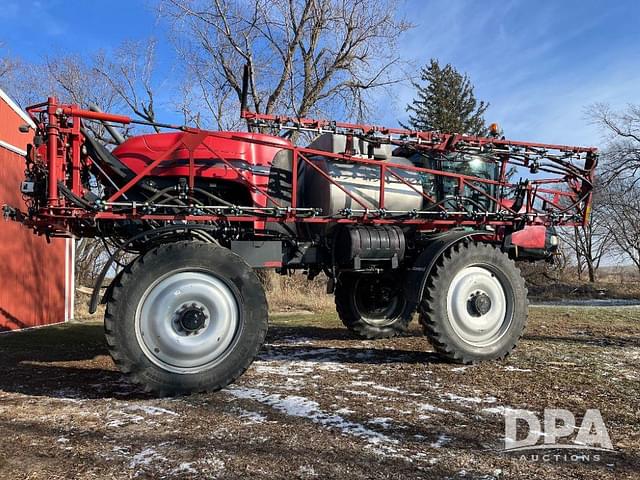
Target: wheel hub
{"type": "Point", "coordinates": [480, 303]}
{"type": "Point", "coordinates": [191, 319]}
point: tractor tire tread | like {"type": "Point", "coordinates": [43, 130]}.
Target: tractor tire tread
{"type": "Point", "coordinates": [141, 375]}
{"type": "Point", "coordinates": [432, 317]}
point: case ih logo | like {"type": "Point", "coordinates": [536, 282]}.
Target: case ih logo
{"type": "Point", "coordinates": [528, 434]}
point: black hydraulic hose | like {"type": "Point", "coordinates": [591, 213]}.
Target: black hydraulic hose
{"type": "Point", "coordinates": [574, 204]}
{"type": "Point", "coordinates": [108, 250]}
{"type": "Point", "coordinates": [437, 204]}
{"type": "Point", "coordinates": [159, 193]}
{"type": "Point", "coordinates": [472, 202]}
{"type": "Point", "coordinates": [95, 164]}
{"type": "Point", "coordinates": [73, 198]}
{"type": "Point", "coordinates": [214, 197]}
{"type": "Point", "coordinates": [164, 192]}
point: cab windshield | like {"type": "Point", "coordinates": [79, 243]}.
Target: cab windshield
{"type": "Point", "coordinates": [445, 189]}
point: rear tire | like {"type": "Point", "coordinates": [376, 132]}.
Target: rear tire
{"type": "Point", "coordinates": [186, 317]}
{"type": "Point", "coordinates": [372, 305]}
{"type": "Point", "coordinates": [475, 306]}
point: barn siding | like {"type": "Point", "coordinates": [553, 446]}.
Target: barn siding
{"type": "Point", "coordinates": [35, 276]}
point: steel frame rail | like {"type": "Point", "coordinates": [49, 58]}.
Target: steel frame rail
{"type": "Point", "coordinates": [542, 202]}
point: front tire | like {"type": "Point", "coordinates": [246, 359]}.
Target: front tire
{"type": "Point", "coordinates": [372, 305]}
{"type": "Point", "coordinates": [186, 317]}
{"type": "Point", "coordinates": [475, 305]}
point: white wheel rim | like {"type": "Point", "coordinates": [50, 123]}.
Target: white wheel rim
{"type": "Point", "coordinates": [160, 321]}
{"type": "Point", "coordinates": [479, 309]}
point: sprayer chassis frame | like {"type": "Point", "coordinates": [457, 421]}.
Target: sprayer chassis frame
{"type": "Point", "coordinates": [63, 163]}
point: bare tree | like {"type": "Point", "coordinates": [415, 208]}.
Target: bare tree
{"type": "Point", "coordinates": [90, 258]}
{"type": "Point", "coordinates": [621, 156]}
{"type": "Point", "coordinates": [122, 82]}
{"type": "Point", "coordinates": [304, 56]}
{"type": "Point", "coordinates": [7, 64]}
{"type": "Point", "coordinates": [70, 78]}
{"type": "Point", "coordinates": [622, 206]}
{"type": "Point", "coordinates": [620, 172]}
{"type": "Point", "coordinates": [590, 244]}
{"type": "Point", "coordinates": [129, 72]}
{"type": "Point", "coordinates": [8, 67]}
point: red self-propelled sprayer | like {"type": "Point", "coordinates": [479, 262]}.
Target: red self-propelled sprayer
{"type": "Point", "coordinates": [400, 222]}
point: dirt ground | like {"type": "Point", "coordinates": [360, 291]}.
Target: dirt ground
{"type": "Point", "coordinates": [319, 404]}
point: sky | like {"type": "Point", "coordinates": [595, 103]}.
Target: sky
{"type": "Point", "coordinates": [539, 64]}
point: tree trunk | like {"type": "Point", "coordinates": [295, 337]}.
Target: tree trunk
{"type": "Point", "coordinates": [592, 272]}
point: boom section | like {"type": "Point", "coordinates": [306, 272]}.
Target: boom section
{"type": "Point", "coordinates": [528, 183]}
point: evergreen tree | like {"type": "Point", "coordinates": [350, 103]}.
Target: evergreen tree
{"type": "Point", "coordinates": [445, 102]}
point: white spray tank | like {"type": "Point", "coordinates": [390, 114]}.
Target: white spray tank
{"type": "Point", "coordinates": [360, 180]}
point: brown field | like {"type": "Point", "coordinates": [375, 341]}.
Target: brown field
{"type": "Point", "coordinates": [319, 404]}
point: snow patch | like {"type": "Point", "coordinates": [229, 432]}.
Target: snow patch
{"type": "Point", "coordinates": [362, 383]}
{"type": "Point", "coordinates": [459, 369]}
{"type": "Point", "coordinates": [427, 407]}
{"type": "Point", "coordinates": [145, 458]}
{"type": "Point", "coordinates": [336, 367]}
{"type": "Point", "coordinates": [301, 363]}
{"type": "Point", "coordinates": [123, 419]}
{"type": "Point", "coordinates": [302, 407]}
{"type": "Point", "coordinates": [151, 410]}
{"type": "Point", "coordinates": [345, 411]}
{"type": "Point", "coordinates": [214, 463]}
{"type": "Point", "coordinates": [465, 400]}
{"type": "Point", "coordinates": [66, 395]}
{"type": "Point", "coordinates": [283, 370]}
{"type": "Point", "coordinates": [252, 417]}
{"type": "Point", "coordinates": [184, 468]}
{"type": "Point", "coordinates": [307, 471]}
{"type": "Point", "coordinates": [362, 393]}
{"type": "Point", "coordinates": [294, 341]}
{"type": "Point", "coordinates": [391, 389]}
{"type": "Point", "coordinates": [442, 440]}
{"type": "Point", "coordinates": [509, 368]}
{"type": "Point", "coordinates": [502, 410]}
{"type": "Point", "coordinates": [384, 422]}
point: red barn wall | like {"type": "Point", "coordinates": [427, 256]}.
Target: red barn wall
{"type": "Point", "coordinates": [36, 277]}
